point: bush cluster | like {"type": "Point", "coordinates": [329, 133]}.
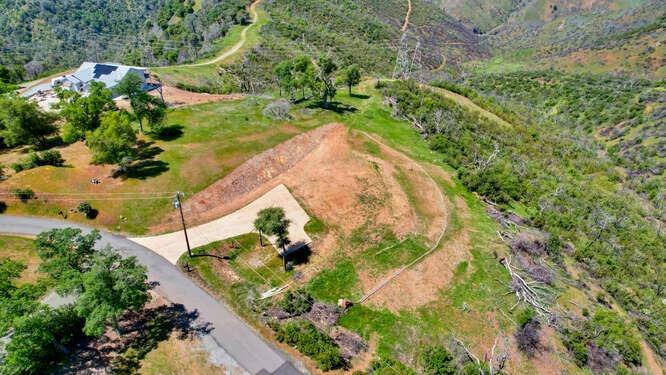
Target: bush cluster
{"type": "Point", "coordinates": [34, 160]}
{"type": "Point", "coordinates": [309, 341]}
{"type": "Point", "coordinates": [603, 341]}
{"type": "Point", "coordinates": [297, 302]}
{"type": "Point", "coordinates": [24, 194]}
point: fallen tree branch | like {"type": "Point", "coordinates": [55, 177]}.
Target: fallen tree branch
{"type": "Point", "coordinates": [524, 291]}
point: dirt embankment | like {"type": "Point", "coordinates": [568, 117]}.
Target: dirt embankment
{"type": "Point", "coordinates": [421, 284]}
{"type": "Point", "coordinates": [251, 179]}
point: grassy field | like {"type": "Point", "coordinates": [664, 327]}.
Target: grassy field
{"type": "Point", "coordinates": [214, 139]}
{"type": "Point", "coordinates": [22, 250]}
{"type": "Point", "coordinates": [238, 271]}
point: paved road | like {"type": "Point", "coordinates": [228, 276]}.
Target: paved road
{"type": "Point", "coordinates": [242, 343]}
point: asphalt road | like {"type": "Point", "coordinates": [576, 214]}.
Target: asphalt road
{"type": "Point", "coordinates": [233, 335]}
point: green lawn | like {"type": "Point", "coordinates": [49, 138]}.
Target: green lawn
{"type": "Point", "coordinates": [22, 250]}
{"type": "Point", "coordinates": [216, 138]}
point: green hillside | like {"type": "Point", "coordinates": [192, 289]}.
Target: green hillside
{"type": "Point", "coordinates": [46, 35]}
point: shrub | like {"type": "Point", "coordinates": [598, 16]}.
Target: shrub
{"type": "Point", "coordinates": [51, 157]}
{"type": "Point", "coordinates": [308, 340]}
{"type": "Point", "coordinates": [70, 134]}
{"type": "Point", "coordinates": [26, 163]}
{"type": "Point", "coordinates": [126, 363]}
{"type": "Point", "coordinates": [527, 337]}
{"type": "Point", "coordinates": [278, 109]}
{"type": "Point", "coordinates": [86, 209]}
{"type": "Point", "coordinates": [297, 302]}
{"type": "Point", "coordinates": [436, 360]}
{"type": "Point", "coordinates": [525, 316]}
{"type": "Point", "coordinates": [593, 341]}
{"type": "Point", "coordinates": [24, 194]}
{"type": "Point", "coordinates": [34, 160]}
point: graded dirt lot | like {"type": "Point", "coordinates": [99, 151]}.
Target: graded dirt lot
{"type": "Point", "coordinates": [350, 181]}
{"type": "Point", "coordinates": [420, 284]}
{"type": "Point", "coordinates": [175, 97]}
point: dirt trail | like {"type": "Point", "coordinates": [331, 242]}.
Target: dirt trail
{"type": "Point", "coordinates": [224, 55]}
{"type": "Point", "coordinates": [383, 283]}
{"type": "Point", "coordinates": [239, 44]}
{"type": "Point", "coordinates": [467, 103]}
{"type": "Point", "coordinates": [405, 25]}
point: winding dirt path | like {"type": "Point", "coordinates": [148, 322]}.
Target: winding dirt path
{"type": "Point", "coordinates": [224, 55]}
{"type": "Point", "coordinates": [405, 25]}
{"type": "Point", "coordinates": [383, 283]}
{"type": "Point", "coordinates": [469, 104]}
{"type": "Point", "coordinates": [238, 45]}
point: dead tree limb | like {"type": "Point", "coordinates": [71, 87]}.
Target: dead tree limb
{"type": "Point", "coordinates": [524, 291]}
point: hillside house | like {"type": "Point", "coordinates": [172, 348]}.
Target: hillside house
{"type": "Point", "coordinates": [108, 73]}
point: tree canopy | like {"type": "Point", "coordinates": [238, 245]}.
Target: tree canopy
{"type": "Point", "coordinates": [66, 254]}
{"type": "Point", "coordinates": [83, 113]}
{"type": "Point", "coordinates": [144, 106]}
{"type": "Point", "coordinates": [40, 340]}
{"type": "Point", "coordinates": [325, 83]}
{"type": "Point", "coordinates": [351, 76]}
{"type": "Point", "coordinates": [112, 286]}
{"type": "Point", "coordinates": [22, 122]}
{"type": "Point", "coordinates": [113, 140]}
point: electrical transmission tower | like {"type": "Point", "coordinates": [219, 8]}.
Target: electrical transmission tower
{"type": "Point", "coordinates": [408, 60]}
{"type": "Point", "coordinates": [402, 60]}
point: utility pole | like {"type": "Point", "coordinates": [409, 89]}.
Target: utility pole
{"type": "Point", "coordinates": [177, 204]}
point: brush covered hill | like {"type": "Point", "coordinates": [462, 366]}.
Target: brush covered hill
{"type": "Point", "coordinates": [368, 33]}
{"type": "Point", "coordinates": [625, 37]}
{"type": "Point", "coordinates": [46, 35]}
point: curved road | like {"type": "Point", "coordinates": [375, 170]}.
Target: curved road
{"type": "Point", "coordinates": [237, 339]}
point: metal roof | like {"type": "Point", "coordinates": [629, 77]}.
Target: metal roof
{"type": "Point", "coordinates": [109, 73]}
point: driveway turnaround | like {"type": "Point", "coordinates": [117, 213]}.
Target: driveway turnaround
{"type": "Point", "coordinates": [172, 245]}
{"type": "Point", "coordinates": [244, 346]}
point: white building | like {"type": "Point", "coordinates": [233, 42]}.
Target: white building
{"type": "Point", "coordinates": [108, 73]}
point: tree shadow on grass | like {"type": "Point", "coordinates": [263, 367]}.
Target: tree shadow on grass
{"type": "Point", "coordinates": [336, 107]}
{"type": "Point", "coordinates": [139, 333]}
{"type": "Point", "coordinates": [145, 165]}
{"type": "Point", "coordinates": [144, 169]}
{"type": "Point", "coordinates": [360, 96]}
{"type": "Point", "coordinates": [169, 132]}
{"type": "Point", "coordinates": [298, 253]}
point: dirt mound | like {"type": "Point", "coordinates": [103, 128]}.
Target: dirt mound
{"type": "Point", "coordinates": [251, 179]}
{"type": "Point", "coordinates": [421, 284]}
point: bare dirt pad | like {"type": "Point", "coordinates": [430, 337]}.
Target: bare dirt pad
{"type": "Point", "coordinates": [323, 170]}
{"type": "Point", "coordinates": [175, 97]}
{"type": "Point", "coordinates": [250, 180]}
{"type": "Point", "coordinates": [332, 173]}
{"type": "Point", "coordinates": [421, 284]}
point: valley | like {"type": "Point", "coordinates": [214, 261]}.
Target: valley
{"type": "Point", "coordinates": [374, 187]}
